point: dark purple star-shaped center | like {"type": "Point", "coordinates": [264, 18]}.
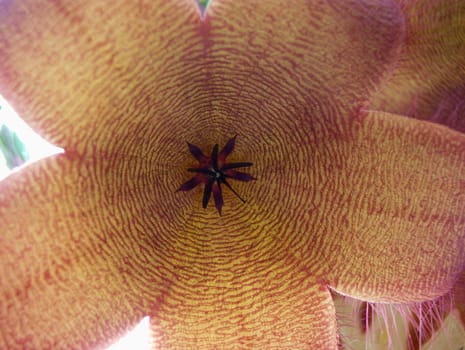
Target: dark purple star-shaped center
{"type": "Point", "coordinates": [214, 171]}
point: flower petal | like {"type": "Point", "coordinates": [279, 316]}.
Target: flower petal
{"type": "Point", "coordinates": [77, 268]}
{"type": "Point", "coordinates": [97, 73]}
{"type": "Point", "coordinates": [87, 75]}
{"type": "Point", "coordinates": [259, 309]}
{"type": "Point", "coordinates": [322, 56]}
{"type": "Point", "coordinates": [396, 228]}
{"type": "Point", "coordinates": [429, 79]}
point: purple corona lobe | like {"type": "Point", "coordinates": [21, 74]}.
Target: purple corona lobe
{"type": "Point", "coordinates": [214, 171]}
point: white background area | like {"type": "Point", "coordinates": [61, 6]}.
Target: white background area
{"type": "Point", "coordinates": [36, 146]}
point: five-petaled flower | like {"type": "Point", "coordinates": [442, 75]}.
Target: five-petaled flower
{"type": "Point", "coordinates": [333, 102]}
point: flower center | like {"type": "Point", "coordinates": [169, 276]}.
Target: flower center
{"type": "Point", "coordinates": [215, 175]}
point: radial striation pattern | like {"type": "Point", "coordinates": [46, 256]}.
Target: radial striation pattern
{"type": "Point", "coordinates": [367, 202]}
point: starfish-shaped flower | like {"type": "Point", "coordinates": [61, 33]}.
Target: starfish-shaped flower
{"type": "Point", "coordinates": [332, 99]}
{"type": "Point", "coordinates": [214, 171]}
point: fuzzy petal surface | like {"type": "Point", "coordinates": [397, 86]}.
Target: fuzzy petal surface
{"type": "Point", "coordinates": [428, 80]}
{"type": "Point", "coordinates": [123, 86]}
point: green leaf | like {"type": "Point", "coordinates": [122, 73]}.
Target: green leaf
{"type": "Point", "coordinates": [203, 4]}
{"type": "Point", "coordinates": [12, 147]}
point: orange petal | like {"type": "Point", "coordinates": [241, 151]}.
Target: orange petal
{"type": "Point", "coordinates": [429, 79]}
{"type": "Point", "coordinates": [393, 222]}
{"type": "Point", "coordinates": [267, 306]}
{"type": "Point", "coordinates": [94, 73]}
{"type": "Point", "coordinates": [88, 74]}
{"type": "Point", "coordinates": [77, 269]}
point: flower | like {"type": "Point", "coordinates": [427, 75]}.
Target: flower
{"type": "Point", "coordinates": [214, 171]}
{"type": "Point", "coordinates": [351, 195]}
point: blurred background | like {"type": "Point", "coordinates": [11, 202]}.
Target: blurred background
{"type": "Point", "coordinates": [19, 144]}
{"type": "Point", "coordinates": [363, 326]}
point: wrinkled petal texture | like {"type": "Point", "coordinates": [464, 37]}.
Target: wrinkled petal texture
{"type": "Point", "coordinates": [428, 80]}
{"type": "Point", "coordinates": [398, 243]}
{"type": "Point", "coordinates": [70, 274]}
{"type": "Point", "coordinates": [368, 203]}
